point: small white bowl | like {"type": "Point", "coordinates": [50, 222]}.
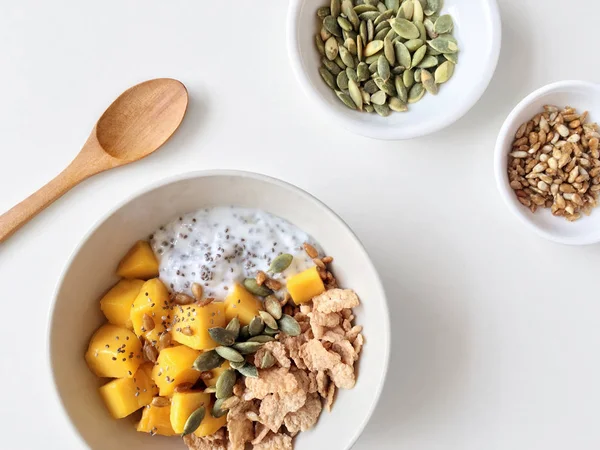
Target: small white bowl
{"type": "Point", "coordinates": [478, 31]}
{"type": "Point", "coordinates": [582, 95]}
{"type": "Point", "coordinates": [75, 313]}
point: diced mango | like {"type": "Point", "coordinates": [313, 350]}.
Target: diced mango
{"type": "Point", "coordinates": [191, 324]}
{"type": "Point", "coordinates": [210, 424]}
{"type": "Point", "coordinates": [153, 299]}
{"type": "Point", "coordinates": [156, 420]}
{"type": "Point", "coordinates": [139, 262]}
{"type": "Point", "coordinates": [116, 303]}
{"type": "Point", "coordinates": [185, 403]}
{"type": "Point", "coordinates": [147, 369]}
{"type": "Point", "coordinates": [242, 304]}
{"type": "Point", "coordinates": [305, 285]}
{"type": "Point", "coordinates": [174, 367]}
{"type": "Point", "coordinates": [124, 396]}
{"type": "Point", "coordinates": [114, 352]}
{"type": "Point", "coordinates": [216, 373]}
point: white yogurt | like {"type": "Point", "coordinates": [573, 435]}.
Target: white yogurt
{"type": "Point", "coordinates": [219, 246]}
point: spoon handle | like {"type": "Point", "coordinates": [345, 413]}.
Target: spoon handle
{"type": "Point", "coordinates": [80, 168]}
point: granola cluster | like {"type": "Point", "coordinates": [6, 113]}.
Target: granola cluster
{"type": "Point", "coordinates": [288, 397]}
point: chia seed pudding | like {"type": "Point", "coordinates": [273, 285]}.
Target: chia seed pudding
{"type": "Point", "coordinates": [216, 247]}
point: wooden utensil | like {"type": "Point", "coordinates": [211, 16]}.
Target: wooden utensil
{"type": "Point", "coordinates": [136, 124]}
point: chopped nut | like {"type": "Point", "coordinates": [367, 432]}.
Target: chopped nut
{"type": "Point", "coordinates": [310, 250]}
{"type": "Point", "coordinates": [261, 277]}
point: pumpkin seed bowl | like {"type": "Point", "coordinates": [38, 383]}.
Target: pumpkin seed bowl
{"type": "Point", "coordinates": [416, 65]}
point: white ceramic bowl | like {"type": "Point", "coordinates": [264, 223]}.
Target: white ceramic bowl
{"type": "Point", "coordinates": [578, 94]}
{"type": "Point", "coordinates": [90, 272]}
{"type": "Point", "coordinates": [478, 31]}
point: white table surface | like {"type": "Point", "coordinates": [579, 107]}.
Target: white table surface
{"type": "Point", "coordinates": [495, 331]}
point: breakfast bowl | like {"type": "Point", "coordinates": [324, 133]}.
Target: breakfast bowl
{"type": "Point", "coordinates": [75, 313]}
{"type": "Point", "coordinates": [581, 95]}
{"type": "Point", "coordinates": [477, 30]}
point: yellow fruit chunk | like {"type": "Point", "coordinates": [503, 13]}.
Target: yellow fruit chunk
{"type": "Point", "coordinates": [139, 262]}
{"type": "Point", "coordinates": [305, 285]}
{"type": "Point", "coordinates": [174, 367]}
{"type": "Point", "coordinates": [210, 424]}
{"type": "Point", "coordinates": [191, 324]}
{"type": "Point", "coordinates": [242, 304]}
{"type": "Point", "coordinates": [153, 301]}
{"type": "Point", "coordinates": [124, 396]}
{"type": "Point", "coordinates": [147, 369]}
{"type": "Point", "coordinates": [114, 352]}
{"type": "Point", "coordinates": [116, 303]}
{"type": "Point", "coordinates": [185, 403]}
{"type": "Point", "coordinates": [216, 373]}
{"type": "Point", "coordinates": [156, 420]}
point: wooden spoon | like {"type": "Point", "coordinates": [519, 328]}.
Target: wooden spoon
{"type": "Point", "coordinates": [137, 123]}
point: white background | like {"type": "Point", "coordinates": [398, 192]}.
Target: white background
{"type": "Point", "coordinates": [495, 331]}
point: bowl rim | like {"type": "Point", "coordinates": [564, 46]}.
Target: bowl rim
{"type": "Point", "coordinates": [385, 323]}
{"type": "Point", "coordinates": [392, 133]}
{"type": "Point", "coordinates": [500, 152]}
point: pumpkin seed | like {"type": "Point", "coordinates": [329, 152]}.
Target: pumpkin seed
{"type": "Point", "coordinates": [265, 316]}
{"type": "Point", "coordinates": [382, 110]}
{"type": "Point", "coordinates": [370, 30]}
{"type": "Point", "coordinates": [382, 26]}
{"type": "Point", "coordinates": [344, 23]}
{"type": "Point", "coordinates": [208, 361]}
{"type": "Point", "coordinates": [362, 30]}
{"type": "Point", "coordinates": [416, 93]}
{"type": "Point", "coordinates": [289, 325]}
{"type": "Point", "coordinates": [397, 105]}
{"type": "Point", "coordinates": [362, 74]}
{"type": "Point", "coordinates": [414, 44]}
{"type": "Point", "coordinates": [380, 35]}
{"type": "Point", "coordinates": [444, 44]}
{"type": "Point", "coordinates": [388, 51]}
{"type": "Point", "coordinates": [261, 338]}
{"type": "Point", "coordinates": [335, 7]}
{"type": "Point", "coordinates": [417, 75]}
{"type": "Point", "coordinates": [193, 421]}
{"type": "Point", "coordinates": [402, 54]}
{"type": "Point", "coordinates": [433, 7]}
{"type": "Point", "coordinates": [347, 57]}
{"type": "Point", "coordinates": [369, 108]}
{"type": "Point", "coordinates": [401, 89]}
{"type": "Point", "coordinates": [280, 263]}
{"type": "Point", "coordinates": [234, 327]}
{"type": "Point", "coordinates": [418, 14]}
{"type": "Point", "coordinates": [428, 82]}
{"type": "Point", "coordinates": [408, 77]}
{"type": "Point", "coordinates": [345, 98]}
{"type": "Point", "coordinates": [237, 365]}
{"type": "Point", "coordinates": [225, 384]}
{"type": "Point", "coordinates": [406, 11]}
{"type": "Point", "coordinates": [218, 410]}
{"type": "Point", "coordinates": [370, 15]}
{"type": "Point", "coordinates": [222, 336]}
{"type": "Point", "coordinates": [331, 48]}
{"type": "Point", "coordinates": [256, 326]}
{"type": "Point", "coordinates": [248, 370]}
{"type": "Point", "coordinates": [323, 12]}
{"type": "Point", "coordinates": [392, 4]}
{"type": "Point", "coordinates": [350, 44]}
{"type": "Point", "coordinates": [385, 86]}
{"type": "Point", "coordinates": [351, 74]}
{"type": "Point", "coordinates": [383, 68]}
{"type": "Point", "coordinates": [272, 305]}
{"type": "Point", "coordinates": [229, 354]}
{"type": "Point", "coordinates": [359, 48]}
{"type": "Point", "coordinates": [452, 57]}
{"type": "Point", "coordinates": [428, 62]}
{"type": "Point", "coordinates": [348, 10]}
{"type": "Point", "coordinates": [338, 61]}
{"type": "Point", "coordinates": [373, 47]}
{"type": "Point", "coordinates": [444, 72]}
{"type": "Point", "coordinates": [270, 331]}
{"type": "Point", "coordinates": [267, 360]}
{"type": "Point", "coordinates": [244, 333]}
{"type": "Point", "coordinates": [342, 83]}
{"type": "Point", "coordinates": [383, 17]}
{"type": "Point", "coordinates": [370, 87]}
{"type": "Point", "coordinates": [331, 25]}
{"type": "Point", "coordinates": [250, 283]}
{"type": "Point", "coordinates": [349, 35]}
{"type": "Point", "coordinates": [247, 348]}
{"type": "Point", "coordinates": [422, 30]}
{"type": "Point", "coordinates": [418, 56]}
{"type": "Point", "coordinates": [405, 29]}
{"type": "Point", "coordinates": [320, 45]}
{"type": "Point", "coordinates": [430, 28]}
{"type": "Point", "coordinates": [378, 98]}
{"type": "Point", "coordinates": [398, 70]}
{"type": "Point", "coordinates": [444, 24]}
{"type": "Point", "coordinates": [359, 9]}
{"type": "Point", "coordinates": [330, 66]}
{"type": "Point", "coordinates": [324, 34]}
{"type": "Point", "coordinates": [372, 59]}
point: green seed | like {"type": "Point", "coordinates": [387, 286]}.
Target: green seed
{"type": "Point", "coordinates": [234, 327]}
{"type": "Point", "coordinates": [335, 8]}
{"type": "Point", "coordinates": [331, 48]}
{"type": "Point", "coordinates": [383, 17]}
{"type": "Point", "coordinates": [331, 25]}
{"type": "Point", "coordinates": [379, 98]}
{"type": "Point", "coordinates": [397, 105]}
{"type": "Point", "coordinates": [250, 283]}
{"type": "Point", "coordinates": [359, 9]}
{"type": "Point", "coordinates": [359, 48]}
{"type": "Point", "coordinates": [222, 336]}
{"type": "Point", "coordinates": [417, 75]}
{"type": "Point", "coordinates": [338, 61]}
{"type": "Point", "coordinates": [261, 338]}
{"type": "Point", "coordinates": [381, 7]}
{"type": "Point", "coordinates": [229, 354]}
{"type": "Point", "coordinates": [398, 70]}
{"type": "Point", "coordinates": [347, 57]}
{"type": "Point", "coordinates": [401, 89]}
{"type": "Point", "coordinates": [388, 51]}
{"type": "Point", "coordinates": [345, 98]}
{"type": "Point", "coordinates": [444, 44]}
{"type": "Point", "coordinates": [320, 45]}
{"type": "Point", "coordinates": [369, 108]}
{"type": "Point", "coordinates": [370, 30]}
{"type": "Point", "coordinates": [392, 4]}
{"type": "Point", "coordinates": [405, 29]}
{"type": "Point", "coordinates": [362, 72]}
{"type": "Point", "coordinates": [225, 384]}
{"type": "Point", "coordinates": [323, 12]}
{"type": "Point", "coordinates": [348, 10]}
{"type": "Point", "coordinates": [194, 421]}
{"type": "Point", "coordinates": [330, 66]}
{"type": "Point", "coordinates": [370, 15]}
{"type": "Point", "coordinates": [414, 44]}
{"type": "Point", "coordinates": [237, 365]}
{"type": "Point", "coordinates": [406, 11]}
{"type": "Point", "coordinates": [244, 333]}
{"type": "Point", "coordinates": [452, 57]}
{"type": "Point", "coordinates": [382, 110]}
{"type": "Point", "coordinates": [350, 44]}
{"type": "Point", "coordinates": [270, 331]}
{"type": "Point", "coordinates": [344, 23]}
{"type": "Point", "coordinates": [418, 14]}
{"type": "Point", "coordinates": [385, 86]}
{"type": "Point", "coordinates": [363, 32]}
{"type": "Point", "coordinates": [289, 325]}
{"type": "Point", "coordinates": [444, 72]}
{"type": "Point", "coordinates": [248, 370]}
{"type": "Point", "coordinates": [444, 24]}
{"type": "Point", "coordinates": [351, 73]}
{"type": "Point", "coordinates": [408, 77]}
{"type": "Point", "coordinates": [272, 305]}
{"type": "Point", "coordinates": [208, 361]}
{"type": "Point", "coordinates": [382, 26]}
{"type": "Point", "coordinates": [402, 54]}
{"type": "Point", "coordinates": [267, 360]}
{"type": "Point", "coordinates": [416, 93]}
{"type": "Point", "coordinates": [380, 35]}
{"type": "Point", "coordinates": [430, 28]}
{"type": "Point", "coordinates": [349, 35]}
{"type": "Point", "coordinates": [418, 56]}
{"type": "Point", "coordinates": [433, 7]}
{"type": "Point", "coordinates": [428, 82]}
{"type": "Point", "coordinates": [281, 262]}
{"type": "Point", "coordinates": [247, 348]}
{"type": "Point", "coordinates": [428, 62]}
{"type": "Point", "coordinates": [256, 326]}
{"type": "Point", "coordinates": [372, 59]}
{"type": "Point", "coordinates": [218, 410]}
{"type": "Point", "coordinates": [265, 316]}
{"type": "Point", "coordinates": [370, 87]}
{"type": "Point", "coordinates": [373, 68]}
{"type": "Point", "coordinates": [383, 68]}
{"type": "Point", "coordinates": [342, 82]}
{"type": "Point", "coordinates": [373, 47]}
{"type": "Point", "coordinates": [422, 30]}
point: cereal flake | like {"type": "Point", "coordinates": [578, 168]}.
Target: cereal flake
{"type": "Point", "coordinates": [275, 442]}
{"type": "Point", "coordinates": [335, 300]}
{"type": "Point", "coordinates": [305, 417]}
{"type": "Point", "coordinates": [317, 357]}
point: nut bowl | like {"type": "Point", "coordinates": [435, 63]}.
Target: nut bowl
{"type": "Point", "coordinates": [75, 313]}
{"type": "Point", "coordinates": [477, 29]}
{"type": "Point", "coordinates": [582, 95]}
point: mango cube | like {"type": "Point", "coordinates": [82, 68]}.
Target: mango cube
{"type": "Point", "coordinates": [156, 420]}
{"type": "Point", "coordinates": [114, 352]}
{"type": "Point", "coordinates": [139, 262]}
{"type": "Point", "coordinates": [191, 324]}
{"type": "Point", "coordinates": [305, 285]}
{"type": "Point", "coordinates": [242, 304]}
{"type": "Point", "coordinates": [153, 300]}
{"type": "Point", "coordinates": [174, 367]}
{"type": "Point", "coordinates": [147, 369]}
{"type": "Point", "coordinates": [210, 424]}
{"type": "Point", "coordinates": [116, 303]}
{"type": "Point", "coordinates": [124, 396]}
{"type": "Point", "coordinates": [185, 403]}
{"type": "Point", "coordinates": [216, 373]}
